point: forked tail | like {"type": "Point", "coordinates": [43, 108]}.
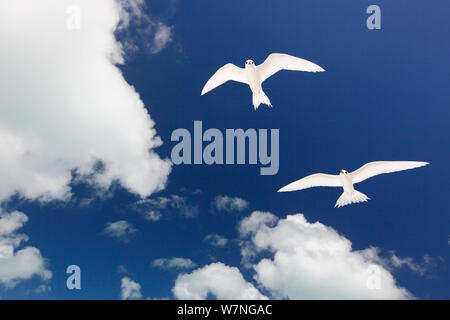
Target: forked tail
{"type": "Point", "coordinates": [259, 98]}
{"type": "Point", "coordinates": [349, 198]}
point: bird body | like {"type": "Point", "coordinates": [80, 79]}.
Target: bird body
{"type": "Point", "coordinates": [254, 76]}
{"type": "Point", "coordinates": [347, 180]}
{"type": "Point", "coordinates": [350, 195]}
{"type": "Point", "coordinates": [254, 82]}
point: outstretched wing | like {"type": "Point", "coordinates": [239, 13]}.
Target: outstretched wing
{"type": "Point", "coordinates": [372, 169]}
{"type": "Point", "coordinates": [280, 61]}
{"type": "Point", "coordinates": [314, 180]}
{"type": "Point", "coordinates": [226, 73]}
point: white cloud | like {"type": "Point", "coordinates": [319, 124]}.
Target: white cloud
{"type": "Point", "coordinates": [131, 290]}
{"type": "Point", "coordinates": [23, 264]}
{"type": "Point", "coordinates": [128, 10]}
{"type": "Point", "coordinates": [312, 261]}
{"type": "Point", "coordinates": [43, 289]}
{"type": "Point", "coordinates": [163, 36]}
{"type": "Point", "coordinates": [121, 230]}
{"type": "Point", "coordinates": [216, 240]}
{"type": "Point", "coordinates": [255, 221]}
{"type": "Point", "coordinates": [222, 281]}
{"type": "Point", "coordinates": [152, 215]}
{"type": "Point", "coordinates": [229, 204]}
{"type": "Point", "coordinates": [9, 223]}
{"type": "Point", "coordinates": [65, 106]}
{"type": "Point", "coordinates": [147, 33]}
{"type": "Point", "coordinates": [173, 263]}
{"type": "Point", "coordinates": [250, 225]}
{"type": "Point", "coordinates": [419, 268]}
{"type": "Point", "coordinates": [152, 207]}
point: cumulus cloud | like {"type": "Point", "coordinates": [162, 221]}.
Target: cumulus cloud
{"type": "Point", "coordinates": [173, 263]}
{"type": "Point", "coordinates": [65, 107]}
{"type": "Point", "coordinates": [296, 259]}
{"type": "Point", "coordinates": [153, 207]}
{"type": "Point", "coordinates": [248, 226]}
{"type": "Point", "coordinates": [23, 264]}
{"type": "Point", "coordinates": [216, 240]}
{"type": "Point", "coordinates": [255, 221]}
{"type": "Point", "coordinates": [218, 279]}
{"type": "Point", "coordinates": [121, 230]}
{"type": "Point", "coordinates": [313, 261]}
{"type": "Point", "coordinates": [229, 204]}
{"type": "Point", "coordinates": [130, 289]}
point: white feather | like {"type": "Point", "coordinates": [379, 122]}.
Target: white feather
{"type": "Point", "coordinates": [280, 61]}
{"type": "Point", "coordinates": [226, 73]}
{"type": "Point", "coordinates": [349, 198]}
{"type": "Point", "coordinates": [375, 168]}
{"type": "Point", "coordinates": [314, 180]}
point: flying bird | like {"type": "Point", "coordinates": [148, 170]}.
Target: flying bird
{"type": "Point", "coordinates": [346, 179]}
{"type": "Point", "coordinates": [254, 75]}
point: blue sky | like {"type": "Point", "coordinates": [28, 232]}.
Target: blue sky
{"type": "Point", "coordinates": [384, 96]}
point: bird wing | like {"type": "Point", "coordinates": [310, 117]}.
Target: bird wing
{"type": "Point", "coordinates": [226, 73]}
{"type": "Point", "coordinates": [280, 61]}
{"type": "Point", "coordinates": [314, 180]}
{"type": "Point", "coordinates": [375, 168]}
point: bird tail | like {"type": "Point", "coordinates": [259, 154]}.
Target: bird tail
{"type": "Point", "coordinates": [349, 198]}
{"type": "Point", "coordinates": [259, 98]}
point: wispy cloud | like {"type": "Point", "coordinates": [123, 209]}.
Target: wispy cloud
{"type": "Point", "coordinates": [155, 208]}
{"type": "Point", "coordinates": [393, 261]}
{"type": "Point", "coordinates": [43, 288]}
{"type": "Point", "coordinates": [216, 240]}
{"type": "Point", "coordinates": [121, 230]}
{"type": "Point", "coordinates": [149, 33]}
{"type": "Point", "coordinates": [163, 36]}
{"type": "Point", "coordinates": [229, 204]}
{"type": "Point", "coordinates": [173, 263]}
{"type": "Point", "coordinates": [121, 269]}
{"type": "Point", "coordinates": [152, 215]}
